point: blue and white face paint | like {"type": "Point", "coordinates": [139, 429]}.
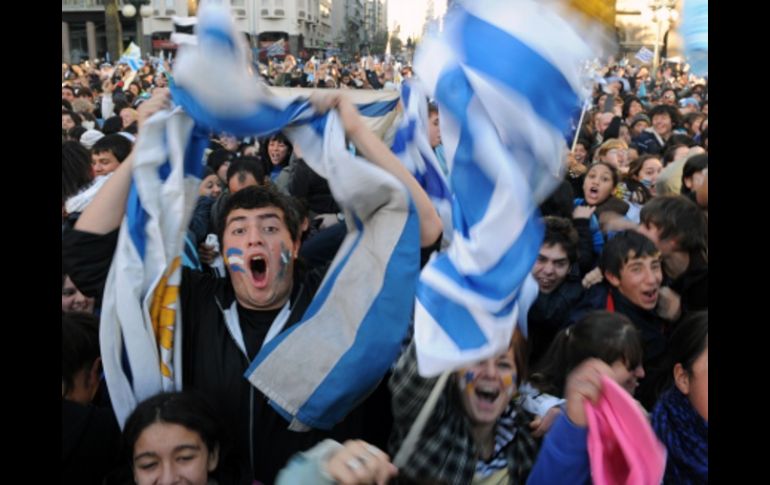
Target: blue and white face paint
{"type": "Point", "coordinates": [487, 387]}
{"type": "Point", "coordinates": [234, 260]}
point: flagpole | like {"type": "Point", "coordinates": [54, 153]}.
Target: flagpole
{"type": "Point", "coordinates": [410, 442]}
{"type": "Point", "coordinates": [579, 125]}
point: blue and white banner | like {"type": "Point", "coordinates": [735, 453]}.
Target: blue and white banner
{"type": "Point", "coordinates": [412, 147]}
{"type": "Point", "coordinates": [379, 109]}
{"type": "Point", "coordinates": [140, 331]}
{"type": "Point", "coordinates": [645, 55]}
{"type": "Point", "coordinates": [506, 76]}
{"type": "Point", "coordinates": [317, 370]}
{"type": "Point", "coordinates": [695, 33]}
{"type": "Point", "coordinates": [132, 56]}
{"type": "Point", "coordinates": [133, 63]}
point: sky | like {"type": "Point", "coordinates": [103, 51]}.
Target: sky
{"type": "Point", "coordinates": [410, 14]}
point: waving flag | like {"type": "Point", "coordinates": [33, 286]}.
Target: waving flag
{"type": "Point", "coordinates": [695, 32]}
{"type": "Point", "coordinates": [645, 55]}
{"type": "Point", "coordinates": [316, 371]}
{"type": "Point", "coordinates": [276, 48]}
{"type": "Point", "coordinates": [506, 78]}
{"type": "Point", "coordinates": [412, 147]}
{"type": "Point", "coordinates": [133, 57]}
{"type": "Point", "coordinates": [140, 331]}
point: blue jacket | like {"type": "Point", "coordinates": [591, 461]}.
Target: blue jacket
{"type": "Point", "coordinates": [593, 224]}
{"type": "Point", "coordinates": [563, 458]}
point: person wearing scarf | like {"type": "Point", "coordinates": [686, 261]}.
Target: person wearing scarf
{"type": "Point", "coordinates": [680, 417]}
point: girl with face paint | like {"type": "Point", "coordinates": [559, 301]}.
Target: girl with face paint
{"type": "Point", "coordinates": [477, 430]}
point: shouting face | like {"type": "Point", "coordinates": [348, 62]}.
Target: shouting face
{"type": "Point", "coordinates": [487, 387]}
{"type": "Point", "coordinates": [259, 252]}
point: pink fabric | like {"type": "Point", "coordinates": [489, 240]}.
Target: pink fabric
{"type": "Point", "coordinates": [622, 447]}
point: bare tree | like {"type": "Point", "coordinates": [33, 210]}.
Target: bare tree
{"type": "Point", "coordinates": [113, 29]}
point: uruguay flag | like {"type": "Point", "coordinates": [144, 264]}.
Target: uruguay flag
{"type": "Point", "coordinates": [316, 371]}
{"type": "Point", "coordinates": [140, 331]}
{"type": "Point", "coordinates": [506, 76]}
{"type": "Point", "coordinates": [412, 147]}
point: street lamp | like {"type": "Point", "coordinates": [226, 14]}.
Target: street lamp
{"type": "Point", "coordinates": [661, 12]}
{"type": "Point", "coordinates": [145, 11]}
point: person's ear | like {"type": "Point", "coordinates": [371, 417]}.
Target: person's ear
{"type": "Point", "coordinates": [681, 379]}
{"type": "Point", "coordinates": [213, 459]}
{"type": "Point", "coordinates": [614, 280]}
{"type": "Point", "coordinates": [297, 243]}
{"type": "Point", "coordinates": [94, 377]}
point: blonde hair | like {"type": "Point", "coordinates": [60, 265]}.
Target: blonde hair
{"type": "Point", "coordinates": [611, 144]}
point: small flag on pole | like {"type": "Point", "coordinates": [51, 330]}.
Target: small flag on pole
{"type": "Point", "coordinates": [645, 55]}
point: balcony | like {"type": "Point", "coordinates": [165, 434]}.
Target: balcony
{"type": "Point", "coordinates": [80, 5]}
{"type": "Point", "coordinates": [86, 5]}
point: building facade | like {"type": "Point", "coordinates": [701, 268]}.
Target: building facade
{"type": "Point", "coordinates": [348, 23]}
{"type": "Point", "coordinates": [304, 25]}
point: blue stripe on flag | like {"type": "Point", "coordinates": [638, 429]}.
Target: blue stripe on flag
{"type": "Point", "coordinates": [136, 220]}
{"type": "Point", "coordinates": [454, 319]}
{"type": "Point", "coordinates": [377, 108]}
{"type": "Point", "coordinates": [469, 183]}
{"type": "Point", "coordinates": [263, 120]}
{"type": "Point", "coordinates": [319, 124]}
{"type": "Point", "coordinates": [125, 364]}
{"type": "Point", "coordinates": [220, 36]}
{"type": "Point", "coordinates": [434, 184]}
{"type": "Point", "coordinates": [499, 281]}
{"type": "Point", "coordinates": [193, 153]}
{"type": "Point", "coordinates": [164, 170]}
{"type": "Point", "coordinates": [406, 92]}
{"type": "Point", "coordinates": [326, 406]}
{"type": "Point", "coordinates": [404, 136]}
{"type": "Point", "coordinates": [548, 91]}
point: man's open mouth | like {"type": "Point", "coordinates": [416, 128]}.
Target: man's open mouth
{"type": "Point", "coordinates": [258, 267]}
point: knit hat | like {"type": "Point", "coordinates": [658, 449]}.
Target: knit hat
{"type": "Point", "coordinates": [640, 117]}
{"type": "Point", "coordinates": [90, 137]}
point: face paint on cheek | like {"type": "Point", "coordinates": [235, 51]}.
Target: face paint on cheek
{"type": "Point", "coordinates": [285, 258]}
{"type": "Point", "coordinates": [234, 261]}
{"type": "Point", "coordinates": [466, 381]}
{"type": "Point", "coordinates": [508, 384]}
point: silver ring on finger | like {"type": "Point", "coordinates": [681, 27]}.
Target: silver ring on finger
{"type": "Point", "coordinates": [353, 463]}
{"type": "Point", "coordinates": [372, 450]}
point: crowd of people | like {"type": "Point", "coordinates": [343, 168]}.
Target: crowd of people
{"type": "Point", "coordinates": [622, 300]}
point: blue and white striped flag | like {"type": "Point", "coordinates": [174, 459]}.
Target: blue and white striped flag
{"type": "Point", "coordinates": [645, 55]}
{"type": "Point", "coordinates": [412, 147]}
{"type": "Point", "coordinates": [506, 76]}
{"type": "Point", "coordinates": [378, 108]}
{"type": "Point", "coordinates": [276, 48]}
{"type": "Point", "coordinates": [132, 56]}
{"type": "Point", "coordinates": [140, 332]}
{"type": "Point", "coordinates": [695, 33]}
{"type": "Point", "coordinates": [134, 63]}
{"type": "Point", "coordinates": [316, 371]}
